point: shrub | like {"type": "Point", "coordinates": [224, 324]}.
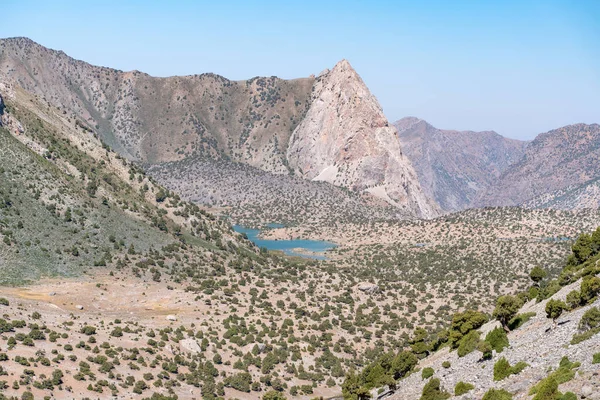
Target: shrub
{"type": "Point", "coordinates": [462, 388]}
{"type": "Point", "coordinates": [573, 299]}
{"type": "Point", "coordinates": [486, 350]}
{"type": "Point", "coordinates": [555, 308]}
{"type": "Point", "coordinates": [589, 325]}
{"type": "Point", "coordinates": [468, 343]}
{"type": "Point", "coordinates": [4, 302]}
{"type": "Point", "coordinates": [427, 373]}
{"type": "Point", "coordinates": [537, 274]}
{"type": "Point", "coordinates": [596, 358]}
{"type": "Point", "coordinates": [497, 394]}
{"type": "Point", "coordinates": [564, 373]}
{"type": "Point", "coordinates": [463, 323]}
{"type": "Point", "coordinates": [502, 369]}
{"type": "Point", "coordinates": [497, 339]}
{"type": "Point", "coordinates": [88, 330]}
{"type": "Point", "coordinates": [590, 287]}
{"type": "Point", "coordinates": [547, 390]}
{"type": "Point", "coordinates": [433, 391]}
{"type": "Point", "coordinates": [568, 396]}
{"type": "Point", "coordinates": [506, 308]}
{"type": "Point", "coordinates": [590, 319]}
{"type": "Point", "coordinates": [446, 364]}
{"type": "Point", "coordinates": [518, 320]}
{"type": "Point", "coordinates": [274, 395]}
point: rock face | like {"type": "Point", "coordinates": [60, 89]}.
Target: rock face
{"type": "Point", "coordinates": [454, 167]}
{"type": "Point", "coordinates": [189, 346]}
{"type": "Point", "coordinates": [345, 139]}
{"type": "Point", "coordinates": [559, 169]}
{"type": "Point", "coordinates": [329, 128]}
{"type": "Point", "coordinates": [367, 287]}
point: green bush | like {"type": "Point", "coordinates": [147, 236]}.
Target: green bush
{"type": "Point", "coordinates": [596, 358]}
{"type": "Point", "coordinates": [4, 302]}
{"type": "Point", "coordinates": [463, 323]}
{"type": "Point", "coordinates": [434, 391]}
{"type": "Point", "coordinates": [446, 364]}
{"type": "Point", "coordinates": [590, 287]}
{"type": "Point", "coordinates": [518, 320]}
{"type": "Point", "coordinates": [462, 388]}
{"type": "Point", "coordinates": [590, 319]}
{"type": "Point", "coordinates": [564, 373]}
{"type": "Point", "coordinates": [574, 299]}
{"type": "Point", "coordinates": [547, 390]}
{"type": "Point", "coordinates": [427, 373]}
{"type": "Point", "coordinates": [589, 325]}
{"type": "Point", "coordinates": [497, 394]}
{"type": "Point", "coordinates": [468, 343]}
{"type": "Point", "coordinates": [503, 369]}
{"type": "Point", "coordinates": [497, 339]}
{"type": "Point", "coordinates": [273, 395]}
{"type": "Point", "coordinates": [486, 350]}
{"type": "Point", "coordinates": [555, 308]}
{"type": "Point", "coordinates": [506, 308]}
{"type": "Point", "coordinates": [568, 396]}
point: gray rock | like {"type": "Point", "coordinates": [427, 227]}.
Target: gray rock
{"type": "Point", "coordinates": [189, 346]}
{"type": "Point", "coordinates": [171, 317]}
{"type": "Point", "coordinates": [368, 287]}
{"type": "Point", "coordinates": [587, 391]}
{"type": "Point", "coordinates": [79, 307]}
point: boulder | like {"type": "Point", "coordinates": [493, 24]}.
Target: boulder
{"type": "Point", "coordinates": [171, 317]}
{"type": "Point", "coordinates": [189, 346]}
{"type": "Point", "coordinates": [368, 287]}
{"type": "Point", "coordinates": [587, 391]}
{"type": "Point", "coordinates": [79, 307]}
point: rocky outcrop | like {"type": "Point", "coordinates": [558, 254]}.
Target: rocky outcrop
{"type": "Point", "coordinates": [455, 167]}
{"type": "Point", "coordinates": [346, 140]}
{"type": "Point", "coordinates": [189, 346]}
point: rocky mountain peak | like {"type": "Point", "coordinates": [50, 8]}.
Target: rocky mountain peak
{"type": "Point", "coordinates": [407, 123]}
{"type": "Point", "coordinates": [345, 139]}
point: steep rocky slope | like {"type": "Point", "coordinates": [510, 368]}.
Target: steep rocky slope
{"type": "Point", "coordinates": [68, 204]}
{"type": "Point", "coordinates": [556, 170]}
{"type": "Point", "coordinates": [156, 120]}
{"type": "Point", "coordinates": [454, 167]}
{"type": "Point", "coordinates": [540, 343]}
{"type": "Point", "coordinates": [346, 140]}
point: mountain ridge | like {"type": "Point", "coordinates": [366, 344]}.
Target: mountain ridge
{"type": "Point", "coordinates": [454, 166]}
{"type": "Point", "coordinates": [158, 120]}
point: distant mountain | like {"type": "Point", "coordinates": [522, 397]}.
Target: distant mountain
{"type": "Point", "coordinates": [559, 169]}
{"type": "Point", "coordinates": [329, 128]}
{"type": "Point", "coordinates": [454, 167]}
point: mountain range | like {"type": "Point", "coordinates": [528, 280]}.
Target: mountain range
{"type": "Point", "coordinates": [327, 128]}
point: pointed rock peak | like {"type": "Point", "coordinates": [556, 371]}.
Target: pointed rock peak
{"type": "Point", "coordinates": [343, 66]}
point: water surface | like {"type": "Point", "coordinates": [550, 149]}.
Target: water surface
{"type": "Point", "coordinates": [314, 248]}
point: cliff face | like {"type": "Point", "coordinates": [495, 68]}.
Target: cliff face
{"type": "Point", "coordinates": [455, 167]}
{"type": "Point", "coordinates": [346, 140]}
{"type": "Point", "coordinates": [340, 134]}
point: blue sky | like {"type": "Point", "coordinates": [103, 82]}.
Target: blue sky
{"type": "Point", "coordinates": [516, 67]}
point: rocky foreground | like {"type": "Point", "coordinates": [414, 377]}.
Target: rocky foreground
{"type": "Point", "coordinates": [539, 342]}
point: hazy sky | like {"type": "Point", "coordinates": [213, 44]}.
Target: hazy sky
{"type": "Point", "coordinates": [517, 67]}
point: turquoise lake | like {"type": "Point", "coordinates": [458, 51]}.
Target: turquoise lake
{"type": "Point", "coordinates": [288, 246]}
